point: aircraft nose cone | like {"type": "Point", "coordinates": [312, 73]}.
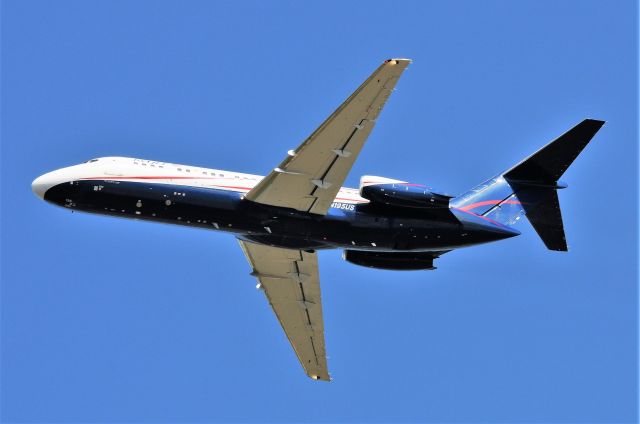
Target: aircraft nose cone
{"type": "Point", "coordinates": [41, 184]}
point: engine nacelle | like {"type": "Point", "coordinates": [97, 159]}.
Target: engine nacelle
{"type": "Point", "coordinates": [391, 260]}
{"type": "Point", "coordinates": [402, 194]}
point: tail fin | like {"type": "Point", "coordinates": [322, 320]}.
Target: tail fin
{"type": "Point", "coordinates": [530, 187]}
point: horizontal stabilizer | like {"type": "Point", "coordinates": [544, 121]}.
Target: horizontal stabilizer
{"type": "Point", "coordinates": [549, 163]}
{"type": "Point", "coordinates": [542, 209]}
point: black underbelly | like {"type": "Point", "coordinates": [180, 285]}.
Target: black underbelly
{"type": "Point", "coordinates": [224, 210]}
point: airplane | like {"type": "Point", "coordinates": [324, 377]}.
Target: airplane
{"type": "Point", "coordinates": [283, 219]}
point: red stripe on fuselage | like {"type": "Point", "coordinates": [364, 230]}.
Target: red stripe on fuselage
{"type": "Point", "coordinates": [146, 177]}
{"type": "Point", "coordinates": [488, 202]}
{"type": "Point", "coordinates": [482, 217]}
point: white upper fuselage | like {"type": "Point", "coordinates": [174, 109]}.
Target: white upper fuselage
{"type": "Point", "coordinates": [142, 170]}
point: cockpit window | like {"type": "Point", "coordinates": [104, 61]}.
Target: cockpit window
{"type": "Point", "coordinates": [92, 160]}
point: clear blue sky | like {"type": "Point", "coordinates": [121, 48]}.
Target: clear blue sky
{"type": "Point", "coordinates": [113, 320]}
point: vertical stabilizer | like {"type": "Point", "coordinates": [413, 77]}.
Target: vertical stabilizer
{"type": "Point", "coordinates": [529, 188]}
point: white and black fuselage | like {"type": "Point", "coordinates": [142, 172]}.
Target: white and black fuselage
{"type": "Point", "coordinates": [214, 199]}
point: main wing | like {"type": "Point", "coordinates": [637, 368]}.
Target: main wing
{"type": "Point", "coordinates": [291, 282]}
{"type": "Point", "coordinates": [309, 178]}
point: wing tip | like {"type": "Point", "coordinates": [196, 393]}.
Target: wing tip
{"type": "Point", "coordinates": [320, 377]}
{"type": "Point", "coordinates": [595, 122]}
{"type": "Point", "coordinates": [395, 61]}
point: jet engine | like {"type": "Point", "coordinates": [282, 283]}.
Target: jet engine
{"type": "Point", "coordinates": [391, 260]}
{"type": "Point", "coordinates": [402, 194]}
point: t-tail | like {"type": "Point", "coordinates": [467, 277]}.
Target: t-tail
{"type": "Point", "coordinates": [529, 188]}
